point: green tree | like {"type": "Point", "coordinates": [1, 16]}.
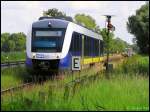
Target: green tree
{"type": "Point", "coordinates": [56, 13]}
{"type": "Point", "coordinates": [118, 45]}
{"type": "Point", "coordinates": [134, 45]}
{"type": "Point", "coordinates": [87, 21]}
{"type": "Point", "coordinates": [138, 25]}
{"type": "Point", "coordinates": [11, 45]}
{"type": "Point", "coordinates": [13, 42]}
{"type": "Point", "coordinates": [4, 41]}
{"type": "Point", "coordinates": [107, 44]}
{"type": "Point", "coordinates": [135, 48]}
{"type": "Point", "coordinates": [14, 38]}
{"type": "Point", "coordinates": [19, 39]}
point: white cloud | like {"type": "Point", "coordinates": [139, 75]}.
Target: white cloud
{"type": "Point", "coordinates": [20, 4]}
{"type": "Point", "coordinates": [16, 16]}
{"type": "Point", "coordinates": [87, 4]}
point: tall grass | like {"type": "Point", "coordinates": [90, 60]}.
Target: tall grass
{"type": "Point", "coordinates": [11, 77]}
{"type": "Point", "coordinates": [136, 64]}
{"type": "Point", "coordinates": [126, 89]}
{"type": "Point", "coordinates": [119, 93]}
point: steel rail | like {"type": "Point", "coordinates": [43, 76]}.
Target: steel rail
{"type": "Point", "coordinates": [13, 63]}
{"type": "Point", "coordinates": [16, 88]}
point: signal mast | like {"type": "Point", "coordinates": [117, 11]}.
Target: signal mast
{"type": "Point", "coordinates": [112, 28]}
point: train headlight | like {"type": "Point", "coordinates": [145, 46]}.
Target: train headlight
{"type": "Point", "coordinates": [49, 24]}
{"type": "Point", "coordinates": [33, 55]}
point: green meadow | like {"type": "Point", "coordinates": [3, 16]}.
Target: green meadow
{"type": "Point", "coordinates": [12, 56]}
{"type": "Point", "coordinates": [127, 88]}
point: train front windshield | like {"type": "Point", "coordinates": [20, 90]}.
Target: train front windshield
{"type": "Point", "coordinates": [47, 40]}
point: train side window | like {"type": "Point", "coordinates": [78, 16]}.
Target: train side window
{"type": "Point", "coordinates": [101, 47]}
{"type": "Point", "coordinates": [76, 44]}
{"type": "Point", "coordinates": [96, 47]}
{"type": "Point", "coordinates": [85, 46]}
{"type": "Point", "coordinates": [90, 46]}
{"type": "Point", "coordinates": [94, 42]}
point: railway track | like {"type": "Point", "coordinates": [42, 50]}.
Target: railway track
{"type": "Point", "coordinates": [34, 80]}
{"type": "Point", "coordinates": [12, 63]}
{"type": "Point", "coordinates": [12, 89]}
{"type": "Point", "coordinates": [77, 80]}
{"type": "Point", "coordinates": [83, 79]}
{"type": "Point", "coordinates": [22, 86]}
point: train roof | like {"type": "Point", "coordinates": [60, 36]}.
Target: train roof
{"type": "Point", "coordinates": [57, 22]}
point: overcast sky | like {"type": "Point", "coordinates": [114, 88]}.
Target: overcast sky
{"type": "Point", "coordinates": [16, 16]}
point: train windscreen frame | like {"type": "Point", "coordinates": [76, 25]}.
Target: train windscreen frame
{"type": "Point", "coordinates": [47, 40]}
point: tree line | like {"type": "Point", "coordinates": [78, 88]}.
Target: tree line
{"type": "Point", "coordinates": [137, 24]}
{"type": "Point", "coordinates": [13, 42]}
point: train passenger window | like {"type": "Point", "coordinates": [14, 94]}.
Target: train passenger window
{"type": "Point", "coordinates": [96, 47]}
{"type": "Point", "coordinates": [76, 44]}
{"type": "Point", "coordinates": [91, 45]}
{"type": "Point", "coordinates": [101, 47]}
{"type": "Point", "coordinates": [87, 47]}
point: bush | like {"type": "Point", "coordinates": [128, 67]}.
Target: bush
{"type": "Point", "coordinates": [138, 64]}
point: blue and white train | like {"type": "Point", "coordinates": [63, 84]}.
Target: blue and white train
{"type": "Point", "coordinates": [51, 43]}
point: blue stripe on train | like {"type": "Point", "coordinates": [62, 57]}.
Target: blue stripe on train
{"type": "Point", "coordinates": [65, 63]}
{"type": "Point", "coordinates": [28, 61]}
